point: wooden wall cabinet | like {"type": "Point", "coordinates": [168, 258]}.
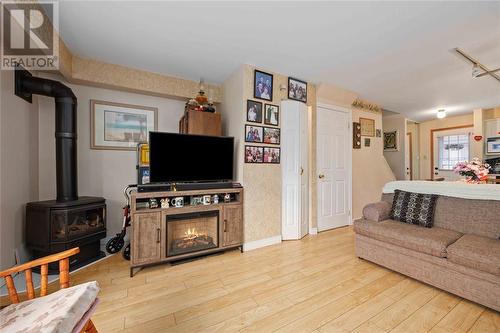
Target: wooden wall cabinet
{"type": "Point", "coordinates": [150, 236]}
{"type": "Point", "coordinates": [201, 123]}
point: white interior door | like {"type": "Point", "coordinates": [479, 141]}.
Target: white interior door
{"type": "Point", "coordinates": [450, 147]}
{"type": "Point", "coordinates": [294, 169]}
{"type": "Point", "coordinates": [333, 167]}
{"type": "Point", "coordinates": [304, 172]}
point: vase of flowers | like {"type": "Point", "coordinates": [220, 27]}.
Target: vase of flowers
{"type": "Point", "coordinates": [475, 171]}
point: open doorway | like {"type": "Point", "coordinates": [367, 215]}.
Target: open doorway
{"type": "Point", "coordinates": [408, 156]}
{"type": "Point", "coordinates": [412, 151]}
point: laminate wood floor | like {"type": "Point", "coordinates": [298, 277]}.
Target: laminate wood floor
{"type": "Point", "coordinates": [313, 285]}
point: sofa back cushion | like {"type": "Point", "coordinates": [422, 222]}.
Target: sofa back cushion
{"type": "Point", "coordinates": [467, 216]}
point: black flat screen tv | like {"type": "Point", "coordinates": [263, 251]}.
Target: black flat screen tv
{"type": "Point", "coordinates": [190, 158]}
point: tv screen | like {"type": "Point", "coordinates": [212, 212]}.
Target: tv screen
{"type": "Point", "coordinates": [186, 158]}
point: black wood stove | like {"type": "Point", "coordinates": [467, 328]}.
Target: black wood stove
{"type": "Point", "coordinates": [69, 221]}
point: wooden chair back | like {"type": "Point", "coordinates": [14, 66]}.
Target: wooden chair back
{"type": "Point", "coordinates": [62, 257]}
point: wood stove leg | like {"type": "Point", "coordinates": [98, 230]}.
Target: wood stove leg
{"type": "Point", "coordinates": [241, 249]}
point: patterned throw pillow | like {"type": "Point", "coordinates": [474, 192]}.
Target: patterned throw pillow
{"type": "Point", "coordinates": [413, 208]}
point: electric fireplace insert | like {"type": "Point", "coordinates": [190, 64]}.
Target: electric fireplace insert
{"type": "Point", "coordinates": [192, 232]}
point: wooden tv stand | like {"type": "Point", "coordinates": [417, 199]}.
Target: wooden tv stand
{"type": "Point", "coordinates": [153, 229]}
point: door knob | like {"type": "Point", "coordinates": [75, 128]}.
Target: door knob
{"type": "Point", "coordinates": [321, 176]}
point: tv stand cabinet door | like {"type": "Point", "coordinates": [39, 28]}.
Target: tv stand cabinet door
{"type": "Point", "coordinates": [146, 247]}
{"type": "Point", "coordinates": [232, 225]}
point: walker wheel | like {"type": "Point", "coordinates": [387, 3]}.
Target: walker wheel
{"type": "Point", "coordinates": [114, 245]}
{"type": "Point", "coordinates": [126, 252]}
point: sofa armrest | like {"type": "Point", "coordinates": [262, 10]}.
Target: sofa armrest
{"type": "Point", "coordinates": [377, 211]}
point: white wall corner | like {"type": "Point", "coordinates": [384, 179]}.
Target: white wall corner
{"type": "Point", "coordinates": [261, 243]}
{"type": "Point", "coordinates": [313, 231]}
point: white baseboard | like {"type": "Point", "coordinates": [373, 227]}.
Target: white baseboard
{"type": "Point", "coordinates": [313, 231]}
{"type": "Point", "coordinates": [261, 243]}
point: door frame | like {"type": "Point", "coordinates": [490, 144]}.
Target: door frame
{"type": "Point", "coordinates": [348, 111]}
{"type": "Point", "coordinates": [432, 142]}
{"type": "Point", "coordinates": [410, 159]}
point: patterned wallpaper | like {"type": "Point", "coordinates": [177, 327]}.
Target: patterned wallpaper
{"type": "Point", "coordinates": [262, 210]}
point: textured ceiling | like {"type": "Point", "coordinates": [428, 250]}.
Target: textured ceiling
{"type": "Point", "coordinates": [397, 54]}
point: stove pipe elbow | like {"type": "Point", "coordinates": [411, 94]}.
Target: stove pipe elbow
{"type": "Point", "coordinates": [65, 116]}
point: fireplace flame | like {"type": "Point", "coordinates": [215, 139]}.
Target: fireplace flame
{"type": "Point", "coordinates": [191, 233]}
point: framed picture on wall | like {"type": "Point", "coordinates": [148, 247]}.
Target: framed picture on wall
{"type": "Point", "coordinates": [272, 155]}
{"type": "Point", "coordinates": [272, 135]}
{"type": "Point", "coordinates": [263, 85]}
{"type": "Point", "coordinates": [254, 154]}
{"type": "Point", "coordinates": [271, 114]}
{"type": "Point", "coordinates": [254, 111]}
{"type": "Point", "coordinates": [367, 126]}
{"type": "Point", "coordinates": [297, 90]}
{"type": "Point", "coordinates": [391, 141]}
{"type": "Point", "coordinates": [253, 133]}
{"type": "Point", "coordinates": [120, 126]}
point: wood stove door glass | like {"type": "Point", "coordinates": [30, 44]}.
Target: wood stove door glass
{"type": "Point", "coordinates": [192, 232]}
{"type": "Point", "coordinates": [71, 224]}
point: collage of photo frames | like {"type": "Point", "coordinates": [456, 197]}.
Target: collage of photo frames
{"type": "Point", "coordinates": [258, 113]}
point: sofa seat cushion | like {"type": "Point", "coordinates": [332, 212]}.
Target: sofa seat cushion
{"type": "Point", "coordinates": [433, 241]}
{"type": "Point", "coordinates": [57, 312]}
{"type": "Point", "coordinates": [476, 252]}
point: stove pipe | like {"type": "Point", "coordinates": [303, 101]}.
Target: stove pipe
{"type": "Point", "coordinates": [65, 100]}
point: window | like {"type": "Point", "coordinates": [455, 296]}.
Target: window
{"type": "Point", "coordinates": [453, 149]}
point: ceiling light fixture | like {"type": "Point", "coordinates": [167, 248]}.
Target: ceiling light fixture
{"type": "Point", "coordinates": [441, 113]}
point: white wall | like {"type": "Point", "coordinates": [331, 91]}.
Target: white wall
{"type": "Point", "coordinates": [370, 171]}
{"type": "Point", "coordinates": [396, 159]}
{"type": "Point", "coordinates": [18, 167]}
{"type": "Point", "coordinates": [100, 172]}
{"type": "Point", "coordinates": [233, 117]}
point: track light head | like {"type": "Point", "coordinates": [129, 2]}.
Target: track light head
{"type": "Point", "coordinates": [476, 71]}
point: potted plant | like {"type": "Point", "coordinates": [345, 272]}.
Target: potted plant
{"type": "Point", "coordinates": [475, 171]}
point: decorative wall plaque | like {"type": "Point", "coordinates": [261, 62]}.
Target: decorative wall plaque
{"type": "Point", "coordinates": [356, 135]}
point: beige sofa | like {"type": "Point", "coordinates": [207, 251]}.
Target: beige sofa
{"type": "Point", "coordinates": [459, 254]}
